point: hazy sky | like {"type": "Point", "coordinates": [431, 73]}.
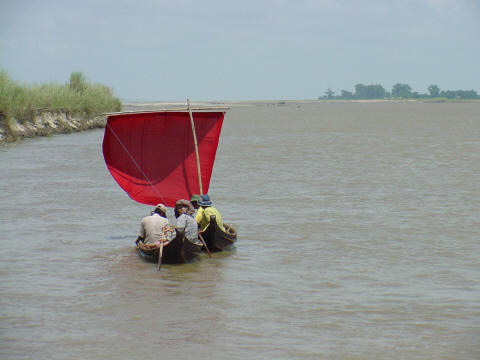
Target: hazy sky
{"type": "Point", "coordinates": [156, 50]}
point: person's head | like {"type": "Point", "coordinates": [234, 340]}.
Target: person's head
{"type": "Point", "coordinates": [161, 210]}
{"type": "Point", "coordinates": [181, 210]}
{"type": "Point", "coordinates": [183, 206]}
{"type": "Point", "coordinates": [205, 201]}
{"type": "Point", "coordinates": [194, 200]}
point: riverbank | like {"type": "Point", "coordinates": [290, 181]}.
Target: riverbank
{"type": "Point", "coordinates": [47, 123]}
{"type": "Point", "coordinates": [41, 110]}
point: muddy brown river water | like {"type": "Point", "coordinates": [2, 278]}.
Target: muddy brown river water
{"type": "Point", "coordinates": [359, 238]}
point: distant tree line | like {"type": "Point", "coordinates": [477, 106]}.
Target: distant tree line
{"type": "Point", "coordinates": [399, 91]}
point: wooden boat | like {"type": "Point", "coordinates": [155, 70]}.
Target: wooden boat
{"type": "Point", "coordinates": [178, 251]}
{"type": "Point", "coordinates": [163, 156]}
{"type": "Point", "coordinates": [218, 240]}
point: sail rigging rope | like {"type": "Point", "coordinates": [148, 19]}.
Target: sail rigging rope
{"type": "Point", "coordinates": [135, 162]}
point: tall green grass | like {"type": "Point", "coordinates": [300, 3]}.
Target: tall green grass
{"type": "Point", "coordinates": [76, 97]}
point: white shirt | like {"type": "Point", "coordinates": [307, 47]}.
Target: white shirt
{"type": "Point", "coordinates": [151, 228]}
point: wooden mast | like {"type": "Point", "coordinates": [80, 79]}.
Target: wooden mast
{"type": "Point", "coordinates": [196, 147]}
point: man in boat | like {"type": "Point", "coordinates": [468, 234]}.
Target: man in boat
{"type": "Point", "coordinates": [194, 200]}
{"type": "Point", "coordinates": [205, 211]}
{"type": "Point", "coordinates": [184, 211]}
{"type": "Point", "coordinates": [153, 227]}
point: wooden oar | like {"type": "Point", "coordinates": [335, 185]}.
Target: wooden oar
{"type": "Point", "coordinates": [160, 254]}
{"type": "Point", "coordinates": [205, 244]}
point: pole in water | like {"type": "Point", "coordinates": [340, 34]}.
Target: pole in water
{"type": "Point", "coordinates": [205, 244]}
{"type": "Point", "coordinates": [160, 254]}
{"type": "Point", "coordinates": [196, 147]}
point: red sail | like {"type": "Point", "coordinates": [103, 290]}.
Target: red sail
{"type": "Point", "coordinates": [152, 155]}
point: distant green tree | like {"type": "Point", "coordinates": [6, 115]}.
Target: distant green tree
{"type": "Point", "coordinates": [459, 94]}
{"type": "Point", "coordinates": [401, 91]}
{"type": "Point", "coordinates": [467, 94]}
{"type": "Point", "coordinates": [434, 91]}
{"type": "Point", "coordinates": [346, 94]}
{"type": "Point", "coordinates": [360, 91]}
{"type": "Point", "coordinates": [449, 94]}
{"type": "Point", "coordinates": [329, 94]}
{"type": "Point", "coordinates": [369, 91]}
{"type": "Point", "coordinates": [379, 91]}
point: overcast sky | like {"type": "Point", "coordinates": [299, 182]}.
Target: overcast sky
{"type": "Point", "coordinates": [156, 50]}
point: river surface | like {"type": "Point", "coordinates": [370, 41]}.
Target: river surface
{"type": "Point", "coordinates": [359, 238]}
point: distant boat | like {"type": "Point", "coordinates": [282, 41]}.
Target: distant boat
{"type": "Point", "coordinates": [163, 156]}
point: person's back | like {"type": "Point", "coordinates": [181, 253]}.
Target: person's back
{"type": "Point", "coordinates": [183, 212]}
{"type": "Point", "coordinates": [190, 225]}
{"type": "Point", "coordinates": [206, 210]}
{"type": "Point", "coordinates": [152, 227]}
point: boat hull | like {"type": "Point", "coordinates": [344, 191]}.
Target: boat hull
{"type": "Point", "coordinates": [178, 251]}
{"type": "Point", "coordinates": [218, 240]}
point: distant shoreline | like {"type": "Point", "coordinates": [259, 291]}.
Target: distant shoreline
{"type": "Point", "coordinates": [46, 123]}
{"type": "Point", "coordinates": [132, 105]}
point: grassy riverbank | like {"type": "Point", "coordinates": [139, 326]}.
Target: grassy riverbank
{"type": "Point", "coordinates": [20, 104]}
